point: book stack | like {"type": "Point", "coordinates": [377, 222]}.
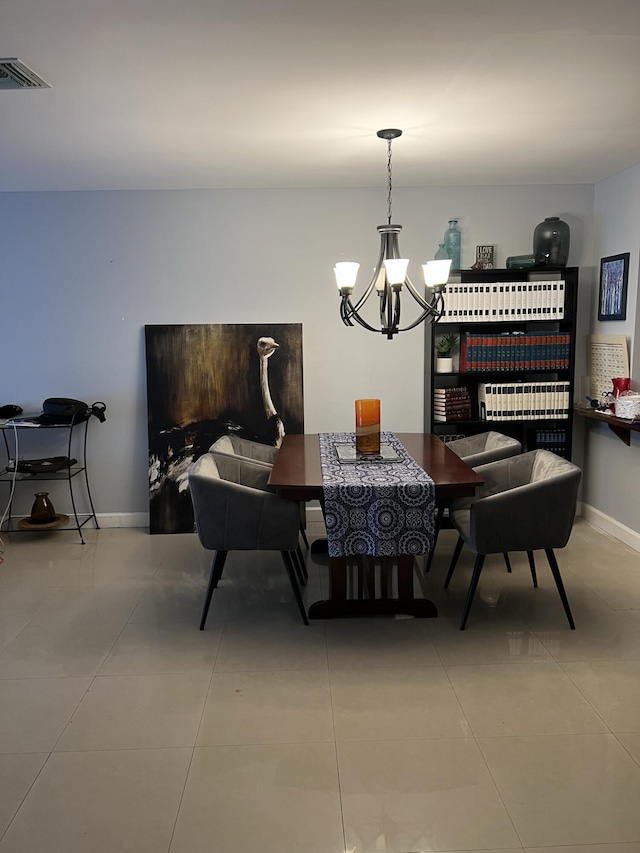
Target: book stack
{"type": "Point", "coordinates": [451, 404]}
{"type": "Point", "coordinates": [554, 440]}
{"type": "Point", "coordinates": [514, 351]}
{"type": "Point", "coordinates": [523, 401]}
{"type": "Point", "coordinates": [504, 301]}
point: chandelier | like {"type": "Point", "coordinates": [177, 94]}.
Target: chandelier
{"type": "Point", "coordinates": [390, 276]}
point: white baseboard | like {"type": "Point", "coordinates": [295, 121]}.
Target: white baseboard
{"type": "Point", "coordinates": [314, 517]}
{"type": "Point", "coordinates": [123, 519]}
{"type": "Point", "coordinates": [141, 519]}
{"type": "Point", "coordinates": [610, 525]}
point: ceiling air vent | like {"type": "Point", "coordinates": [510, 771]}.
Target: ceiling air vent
{"type": "Point", "coordinates": [16, 75]}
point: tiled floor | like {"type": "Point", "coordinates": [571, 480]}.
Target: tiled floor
{"type": "Point", "coordinates": [125, 728]}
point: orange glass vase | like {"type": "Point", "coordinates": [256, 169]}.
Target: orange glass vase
{"type": "Point", "coordinates": [368, 427]}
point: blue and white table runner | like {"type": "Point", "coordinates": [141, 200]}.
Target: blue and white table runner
{"type": "Point", "coordinates": [384, 509]}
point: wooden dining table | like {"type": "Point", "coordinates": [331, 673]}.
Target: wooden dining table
{"type": "Point", "coordinates": [297, 475]}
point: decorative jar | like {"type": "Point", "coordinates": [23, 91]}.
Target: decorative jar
{"type": "Point", "coordinates": [551, 241]}
{"type": "Point", "coordinates": [42, 511]}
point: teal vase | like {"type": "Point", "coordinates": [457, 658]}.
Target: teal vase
{"type": "Point", "coordinates": [452, 241]}
{"type": "Point", "coordinates": [441, 254]}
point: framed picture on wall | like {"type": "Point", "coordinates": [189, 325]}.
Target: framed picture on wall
{"type": "Point", "coordinates": [612, 297]}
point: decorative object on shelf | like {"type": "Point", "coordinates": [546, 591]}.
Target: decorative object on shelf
{"type": "Point", "coordinates": [43, 515]}
{"type": "Point", "coordinates": [620, 385]}
{"type": "Point", "coordinates": [444, 347]}
{"type": "Point", "coordinates": [368, 427]}
{"type": "Point", "coordinates": [608, 356]}
{"type": "Point", "coordinates": [612, 298]}
{"type": "Point", "coordinates": [49, 465]}
{"type": "Point", "coordinates": [59, 521]}
{"type": "Point", "coordinates": [10, 411]}
{"type": "Point", "coordinates": [627, 405]}
{"type": "Point", "coordinates": [441, 254]}
{"type": "Point", "coordinates": [524, 262]}
{"type": "Point", "coordinates": [484, 258]}
{"type": "Point", "coordinates": [601, 405]}
{"type": "Point", "coordinates": [42, 511]}
{"type": "Point", "coordinates": [452, 243]}
{"type": "Point", "coordinates": [390, 274]}
{"type": "Point", "coordinates": [551, 241]}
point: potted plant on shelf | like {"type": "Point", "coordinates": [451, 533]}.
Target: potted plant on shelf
{"type": "Point", "coordinates": [445, 345]}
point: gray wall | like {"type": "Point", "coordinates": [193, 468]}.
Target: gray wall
{"type": "Point", "coordinates": [82, 273]}
{"type": "Point", "coordinates": [611, 484]}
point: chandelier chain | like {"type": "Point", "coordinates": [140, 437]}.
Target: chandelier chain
{"type": "Point", "coordinates": [389, 181]}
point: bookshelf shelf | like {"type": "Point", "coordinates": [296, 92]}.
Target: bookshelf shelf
{"type": "Point", "coordinates": [517, 337]}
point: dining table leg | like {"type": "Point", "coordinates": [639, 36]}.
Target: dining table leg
{"type": "Point", "coordinates": [376, 602]}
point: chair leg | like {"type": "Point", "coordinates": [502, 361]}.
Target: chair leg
{"type": "Point", "coordinates": [299, 565]}
{"type": "Point", "coordinates": [532, 566]}
{"type": "Point", "coordinates": [454, 560]}
{"type": "Point", "coordinates": [438, 525]}
{"type": "Point", "coordinates": [303, 565]}
{"type": "Point", "coordinates": [304, 536]}
{"type": "Point", "coordinates": [296, 565]}
{"type": "Point", "coordinates": [507, 561]}
{"type": "Point", "coordinates": [477, 569]}
{"type": "Point", "coordinates": [217, 565]}
{"type": "Point", "coordinates": [289, 565]}
{"type": "Point", "coordinates": [555, 571]}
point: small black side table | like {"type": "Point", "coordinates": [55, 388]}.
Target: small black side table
{"type": "Point", "coordinates": [16, 434]}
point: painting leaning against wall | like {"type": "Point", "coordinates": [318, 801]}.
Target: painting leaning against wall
{"type": "Point", "coordinates": [208, 380]}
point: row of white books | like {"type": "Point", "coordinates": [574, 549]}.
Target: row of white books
{"type": "Point", "coordinates": [523, 401]}
{"type": "Point", "coordinates": [504, 301]}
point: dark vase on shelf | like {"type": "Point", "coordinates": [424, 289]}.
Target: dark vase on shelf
{"type": "Point", "coordinates": [42, 511]}
{"type": "Point", "coordinates": [551, 241]}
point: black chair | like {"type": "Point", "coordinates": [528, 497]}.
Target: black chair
{"type": "Point", "coordinates": [234, 511]}
{"type": "Point", "coordinates": [527, 503]}
{"type": "Point", "coordinates": [477, 450]}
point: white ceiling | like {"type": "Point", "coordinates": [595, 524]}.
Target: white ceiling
{"type": "Point", "coordinates": [173, 94]}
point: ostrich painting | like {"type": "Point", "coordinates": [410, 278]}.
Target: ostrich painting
{"type": "Point", "coordinates": [204, 381]}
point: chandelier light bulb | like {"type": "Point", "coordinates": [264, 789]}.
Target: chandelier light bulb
{"type": "Point", "coordinates": [396, 270]}
{"type": "Point", "coordinates": [436, 273]}
{"type": "Point", "coordinates": [346, 273]}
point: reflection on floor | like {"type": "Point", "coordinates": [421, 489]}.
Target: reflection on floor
{"type": "Point", "coordinates": [123, 727]}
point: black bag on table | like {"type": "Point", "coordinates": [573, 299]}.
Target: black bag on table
{"type": "Point", "coordinates": [63, 410]}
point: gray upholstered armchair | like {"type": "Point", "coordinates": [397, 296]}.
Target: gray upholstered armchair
{"type": "Point", "coordinates": [485, 447]}
{"type": "Point", "coordinates": [478, 450]}
{"type": "Point", "coordinates": [233, 445]}
{"type": "Point", "coordinates": [234, 511]}
{"type": "Point", "coordinates": [527, 503]}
